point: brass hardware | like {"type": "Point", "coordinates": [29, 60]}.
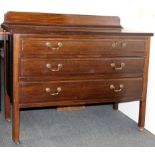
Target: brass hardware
{"type": "Point", "coordinates": [48, 90]}
{"type": "Point", "coordinates": [113, 65]}
{"type": "Point", "coordinates": [141, 129]}
{"type": "Point", "coordinates": [49, 45]}
{"type": "Point", "coordinates": [8, 119]}
{"type": "Point", "coordinates": [123, 44]}
{"type": "Point", "coordinates": [59, 66]}
{"type": "Point", "coordinates": [118, 44]}
{"type": "Point", "coordinates": [121, 86]}
{"type": "Point", "coordinates": [113, 44]}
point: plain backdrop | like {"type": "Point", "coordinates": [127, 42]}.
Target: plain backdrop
{"type": "Point", "coordinates": [135, 14]}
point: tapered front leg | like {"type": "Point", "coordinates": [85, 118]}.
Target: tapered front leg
{"type": "Point", "coordinates": [115, 106]}
{"type": "Point", "coordinates": [142, 109]}
{"type": "Point", "coordinates": [16, 109]}
{"type": "Point", "coordinates": [16, 123]}
{"type": "Point", "coordinates": [142, 105]}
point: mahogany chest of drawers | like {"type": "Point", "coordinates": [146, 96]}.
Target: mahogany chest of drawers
{"type": "Point", "coordinates": [64, 60]}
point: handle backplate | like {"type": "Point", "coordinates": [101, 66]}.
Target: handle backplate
{"type": "Point", "coordinates": [121, 87]}
{"type": "Point", "coordinates": [48, 90]}
{"type": "Point", "coordinates": [50, 46]}
{"type": "Point", "coordinates": [114, 66]}
{"type": "Point", "coordinates": [49, 67]}
{"type": "Point", "coordinates": [118, 44]}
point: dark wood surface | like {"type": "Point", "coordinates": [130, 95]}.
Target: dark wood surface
{"type": "Point", "coordinates": [82, 47]}
{"type": "Point", "coordinates": [28, 18]}
{"type": "Point", "coordinates": [31, 67]}
{"type": "Point", "coordinates": [142, 104]}
{"type": "Point", "coordinates": [0, 83]}
{"type": "Point", "coordinates": [1, 59]}
{"type": "Point", "coordinates": [79, 90]}
{"type": "Point", "coordinates": [30, 22]}
{"type": "Point", "coordinates": [66, 60]}
{"type": "Point", "coordinates": [3, 49]}
{"type": "Point", "coordinates": [115, 106]}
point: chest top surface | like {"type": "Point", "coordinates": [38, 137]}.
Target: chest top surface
{"type": "Point", "coordinates": [28, 22]}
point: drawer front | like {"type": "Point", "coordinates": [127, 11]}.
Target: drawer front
{"type": "Point", "coordinates": [78, 90]}
{"type": "Point", "coordinates": [62, 47]}
{"type": "Point", "coordinates": [57, 67]}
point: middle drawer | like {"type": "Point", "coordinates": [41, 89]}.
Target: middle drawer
{"type": "Point", "coordinates": [45, 67]}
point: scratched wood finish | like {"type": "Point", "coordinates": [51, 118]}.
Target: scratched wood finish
{"type": "Point", "coordinates": [85, 46]}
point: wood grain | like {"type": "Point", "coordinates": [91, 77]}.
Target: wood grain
{"type": "Point", "coordinates": [78, 90]}
{"type": "Point", "coordinates": [32, 18]}
{"type": "Point", "coordinates": [142, 104]}
{"type": "Point", "coordinates": [38, 67]}
{"type": "Point", "coordinates": [70, 108]}
{"type": "Point", "coordinates": [87, 47]}
{"type": "Point", "coordinates": [90, 44]}
{"type": "Point", "coordinates": [16, 108]}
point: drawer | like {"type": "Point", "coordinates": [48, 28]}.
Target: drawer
{"type": "Point", "coordinates": [80, 90]}
{"type": "Point", "coordinates": [61, 47]}
{"type": "Point", "coordinates": [58, 67]}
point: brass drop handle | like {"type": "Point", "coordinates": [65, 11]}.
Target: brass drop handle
{"type": "Point", "coordinates": [50, 46]}
{"type": "Point", "coordinates": [59, 66]}
{"type": "Point", "coordinates": [121, 86]}
{"type": "Point", "coordinates": [113, 65]}
{"type": "Point", "coordinates": [118, 44]}
{"type": "Point", "coordinates": [48, 90]}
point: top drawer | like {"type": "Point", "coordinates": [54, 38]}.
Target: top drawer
{"type": "Point", "coordinates": [84, 47]}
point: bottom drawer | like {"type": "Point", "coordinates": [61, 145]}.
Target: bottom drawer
{"type": "Point", "coordinates": [80, 90]}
